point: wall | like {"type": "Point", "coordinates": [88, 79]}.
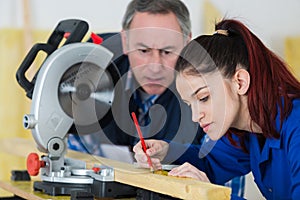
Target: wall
{"type": "Point", "coordinates": [271, 20]}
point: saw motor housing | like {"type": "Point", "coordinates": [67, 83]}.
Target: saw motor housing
{"type": "Point", "coordinates": [74, 85]}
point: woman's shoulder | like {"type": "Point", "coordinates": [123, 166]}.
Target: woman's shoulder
{"type": "Point", "coordinates": [295, 112]}
{"type": "Point", "coordinates": [291, 125]}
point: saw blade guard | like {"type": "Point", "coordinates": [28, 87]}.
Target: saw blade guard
{"type": "Point", "coordinates": [74, 85]}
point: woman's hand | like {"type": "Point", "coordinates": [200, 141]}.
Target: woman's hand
{"type": "Point", "coordinates": [156, 149]}
{"type": "Point", "coordinates": [188, 170]}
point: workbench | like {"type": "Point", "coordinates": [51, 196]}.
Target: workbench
{"type": "Point", "coordinates": [182, 188]}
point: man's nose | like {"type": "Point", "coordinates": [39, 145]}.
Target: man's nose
{"type": "Point", "coordinates": [156, 61]}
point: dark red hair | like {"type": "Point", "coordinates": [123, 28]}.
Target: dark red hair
{"type": "Point", "coordinates": [272, 87]}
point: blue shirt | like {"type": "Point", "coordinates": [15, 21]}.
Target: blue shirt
{"type": "Point", "coordinates": [275, 167]}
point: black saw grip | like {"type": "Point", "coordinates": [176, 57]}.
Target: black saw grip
{"type": "Point", "coordinates": [76, 30]}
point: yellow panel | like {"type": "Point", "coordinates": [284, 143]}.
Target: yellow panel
{"type": "Point", "coordinates": [292, 54]}
{"type": "Point", "coordinates": [211, 16]}
{"type": "Point", "coordinates": [13, 102]}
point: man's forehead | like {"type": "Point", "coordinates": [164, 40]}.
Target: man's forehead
{"type": "Point", "coordinates": [155, 37]}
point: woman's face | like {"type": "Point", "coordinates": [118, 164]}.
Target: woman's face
{"type": "Point", "coordinates": [213, 99]}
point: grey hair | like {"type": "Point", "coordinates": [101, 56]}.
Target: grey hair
{"type": "Point", "coordinates": [159, 7]}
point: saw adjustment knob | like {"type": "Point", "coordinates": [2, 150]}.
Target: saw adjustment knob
{"type": "Point", "coordinates": [34, 164]}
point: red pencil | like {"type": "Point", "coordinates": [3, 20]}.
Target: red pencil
{"type": "Point", "coordinates": [142, 140]}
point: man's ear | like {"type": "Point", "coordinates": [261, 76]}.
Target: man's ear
{"type": "Point", "coordinates": [188, 39]}
{"type": "Point", "coordinates": [242, 80]}
{"type": "Point", "coordinates": [124, 40]}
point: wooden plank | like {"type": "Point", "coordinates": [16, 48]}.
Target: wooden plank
{"type": "Point", "coordinates": [24, 189]}
{"type": "Point", "coordinates": [184, 188]}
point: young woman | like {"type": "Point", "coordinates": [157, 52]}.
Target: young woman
{"type": "Point", "coordinates": [239, 89]}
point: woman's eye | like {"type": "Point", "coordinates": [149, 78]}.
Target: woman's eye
{"type": "Point", "coordinates": [204, 99]}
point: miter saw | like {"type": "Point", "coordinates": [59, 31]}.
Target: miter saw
{"type": "Point", "coordinates": [74, 85]}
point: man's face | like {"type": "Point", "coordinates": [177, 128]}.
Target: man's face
{"type": "Point", "coordinates": [153, 44]}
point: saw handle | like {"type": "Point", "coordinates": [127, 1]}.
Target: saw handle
{"type": "Point", "coordinates": [76, 30]}
{"type": "Point", "coordinates": [27, 62]}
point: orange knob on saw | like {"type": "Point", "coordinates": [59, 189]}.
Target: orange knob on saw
{"type": "Point", "coordinates": [34, 164]}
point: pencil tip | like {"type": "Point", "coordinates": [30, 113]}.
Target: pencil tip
{"type": "Point", "coordinates": [152, 169]}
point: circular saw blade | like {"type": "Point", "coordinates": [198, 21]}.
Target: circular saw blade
{"type": "Point", "coordinates": [86, 93]}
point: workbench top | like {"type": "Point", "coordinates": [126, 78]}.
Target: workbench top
{"type": "Point", "coordinates": [183, 188]}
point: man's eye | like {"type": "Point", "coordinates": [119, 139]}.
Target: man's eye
{"type": "Point", "coordinates": [165, 52]}
{"type": "Point", "coordinates": [144, 50]}
{"type": "Point", "coordinates": [204, 99]}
